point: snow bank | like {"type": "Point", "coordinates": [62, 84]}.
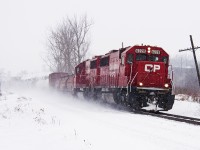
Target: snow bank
{"type": "Point", "coordinates": [28, 124]}
{"type": "Point", "coordinates": [41, 118]}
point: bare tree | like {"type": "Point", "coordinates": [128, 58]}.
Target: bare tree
{"type": "Point", "coordinates": [68, 44]}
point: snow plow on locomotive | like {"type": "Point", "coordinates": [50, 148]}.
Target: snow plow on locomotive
{"type": "Point", "coordinates": [136, 76]}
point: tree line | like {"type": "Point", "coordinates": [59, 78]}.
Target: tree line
{"type": "Point", "coordinates": [185, 80]}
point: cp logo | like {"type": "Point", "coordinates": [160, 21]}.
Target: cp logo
{"type": "Point", "coordinates": [151, 68]}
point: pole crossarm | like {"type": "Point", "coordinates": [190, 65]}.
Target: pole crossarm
{"type": "Point", "coordinates": [187, 49]}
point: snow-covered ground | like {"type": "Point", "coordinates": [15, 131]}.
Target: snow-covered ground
{"type": "Point", "coordinates": [42, 119]}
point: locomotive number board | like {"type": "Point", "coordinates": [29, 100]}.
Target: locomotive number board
{"type": "Point", "coordinates": [140, 50]}
{"type": "Point", "coordinates": [143, 51]}
{"type": "Point", "coordinates": [155, 52]}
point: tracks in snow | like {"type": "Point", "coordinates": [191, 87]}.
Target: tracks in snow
{"type": "Point", "coordinates": [190, 120]}
{"type": "Point", "coordinates": [159, 114]}
{"type": "Point", "coordinates": [179, 118]}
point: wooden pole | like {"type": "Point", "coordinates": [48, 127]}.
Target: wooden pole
{"type": "Point", "coordinates": [195, 59]}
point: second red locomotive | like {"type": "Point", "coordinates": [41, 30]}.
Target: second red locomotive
{"type": "Point", "coordinates": [136, 76]}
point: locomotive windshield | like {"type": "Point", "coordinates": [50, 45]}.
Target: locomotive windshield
{"type": "Point", "coordinates": [164, 59]}
{"type": "Point", "coordinates": [141, 57]}
{"type": "Point", "coordinates": [153, 58]}
{"type": "Point", "coordinates": [144, 57]}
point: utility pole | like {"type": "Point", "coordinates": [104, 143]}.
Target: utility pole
{"type": "Point", "coordinates": [195, 59]}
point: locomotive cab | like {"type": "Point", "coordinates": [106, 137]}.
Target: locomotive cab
{"type": "Point", "coordinates": [145, 69]}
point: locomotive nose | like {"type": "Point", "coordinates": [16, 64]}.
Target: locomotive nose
{"type": "Point", "coordinates": [151, 74]}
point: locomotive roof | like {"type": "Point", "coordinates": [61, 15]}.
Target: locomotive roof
{"type": "Point", "coordinates": [145, 46]}
{"type": "Point", "coordinates": [124, 50]}
{"type": "Point", "coordinates": [58, 73]}
{"type": "Point", "coordinates": [111, 51]}
{"type": "Point", "coordinates": [95, 57]}
{"type": "Point", "coordinates": [106, 55]}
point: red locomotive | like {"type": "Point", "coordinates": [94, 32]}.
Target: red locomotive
{"type": "Point", "coordinates": [136, 76]}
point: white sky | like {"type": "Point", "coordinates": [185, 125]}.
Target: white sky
{"type": "Point", "coordinates": [24, 26]}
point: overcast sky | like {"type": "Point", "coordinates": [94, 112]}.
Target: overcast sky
{"type": "Point", "coordinates": [24, 26]}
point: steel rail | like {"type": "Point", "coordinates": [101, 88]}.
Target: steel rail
{"type": "Point", "coordinates": [178, 118]}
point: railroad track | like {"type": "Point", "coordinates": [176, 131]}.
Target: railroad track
{"type": "Point", "coordinates": [190, 120]}
{"type": "Point", "coordinates": [159, 114]}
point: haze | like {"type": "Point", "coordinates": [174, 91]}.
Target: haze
{"type": "Point", "coordinates": [24, 27]}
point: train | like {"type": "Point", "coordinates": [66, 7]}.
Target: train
{"type": "Point", "coordinates": [139, 77]}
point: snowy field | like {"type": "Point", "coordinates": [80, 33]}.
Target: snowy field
{"type": "Point", "coordinates": [41, 119]}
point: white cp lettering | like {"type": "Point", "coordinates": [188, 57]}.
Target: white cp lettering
{"type": "Point", "coordinates": [151, 68]}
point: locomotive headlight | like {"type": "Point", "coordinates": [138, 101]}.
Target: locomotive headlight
{"type": "Point", "coordinates": [140, 84]}
{"type": "Point", "coordinates": [166, 85]}
{"type": "Point", "coordinates": [149, 50]}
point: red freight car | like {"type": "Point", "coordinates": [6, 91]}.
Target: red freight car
{"type": "Point", "coordinates": [62, 81]}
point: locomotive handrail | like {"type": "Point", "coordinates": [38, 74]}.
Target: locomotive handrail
{"type": "Point", "coordinates": [146, 76]}
{"type": "Point", "coordinates": [171, 75]}
{"type": "Point", "coordinates": [171, 70]}
{"type": "Point", "coordinates": [133, 80]}
{"type": "Point", "coordinates": [130, 74]}
{"type": "Point", "coordinates": [130, 77]}
{"type": "Point", "coordinates": [173, 86]}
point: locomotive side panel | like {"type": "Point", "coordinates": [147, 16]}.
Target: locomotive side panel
{"type": "Point", "coordinates": [80, 75]}
{"type": "Point", "coordinates": [114, 69]}
{"type": "Point", "coordinates": [104, 71]}
{"type": "Point", "coordinates": [87, 73]}
{"type": "Point", "coordinates": [94, 72]}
